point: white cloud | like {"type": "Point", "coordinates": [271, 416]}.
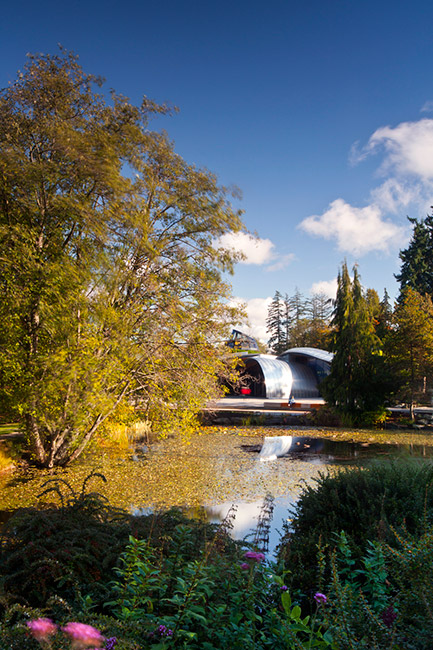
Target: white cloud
{"type": "Point", "coordinates": [427, 107]}
{"type": "Point", "coordinates": [282, 262]}
{"type": "Point", "coordinates": [407, 165]}
{"type": "Point", "coordinates": [257, 312]}
{"type": "Point", "coordinates": [357, 230]}
{"type": "Point", "coordinates": [254, 249]}
{"type": "Point", "coordinates": [357, 154]}
{"type": "Point", "coordinates": [408, 148]}
{"type": "Point", "coordinates": [393, 195]}
{"type": "Point", "coordinates": [325, 287]}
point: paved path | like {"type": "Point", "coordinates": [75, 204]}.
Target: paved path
{"type": "Point", "coordinates": [260, 404]}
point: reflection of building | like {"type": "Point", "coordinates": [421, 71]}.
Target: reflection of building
{"type": "Point", "coordinates": [296, 373]}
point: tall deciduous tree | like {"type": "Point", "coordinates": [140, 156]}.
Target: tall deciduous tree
{"type": "Point", "coordinates": [110, 282]}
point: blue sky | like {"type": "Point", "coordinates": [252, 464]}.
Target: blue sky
{"type": "Point", "coordinates": [321, 112]}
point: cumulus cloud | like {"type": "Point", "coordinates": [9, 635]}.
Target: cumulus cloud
{"type": "Point", "coordinates": [356, 230]}
{"type": "Point", "coordinates": [326, 288]}
{"type": "Point", "coordinates": [408, 148]}
{"type": "Point", "coordinates": [257, 312]}
{"type": "Point", "coordinates": [255, 250]}
{"type": "Point", "coordinates": [407, 164]}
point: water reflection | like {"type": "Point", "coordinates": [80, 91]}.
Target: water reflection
{"type": "Point", "coordinates": [247, 517]}
{"type": "Point", "coordinates": [285, 452]}
{"type": "Point", "coordinates": [325, 450]}
{"type": "Point", "coordinates": [208, 473]}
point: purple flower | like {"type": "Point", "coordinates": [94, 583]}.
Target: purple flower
{"type": "Point", "coordinates": [320, 598]}
{"type": "Point", "coordinates": [163, 630]}
{"type": "Point", "coordinates": [254, 555]}
{"type": "Point", "coordinates": [110, 643]}
{"type": "Point", "coordinates": [245, 566]}
{"type": "Point", "coordinates": [389, 616]}
{"type": "Point", "coordinates": [283, 587]}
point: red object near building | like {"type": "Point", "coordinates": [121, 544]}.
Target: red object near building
{"type": "Point", "coordinates": [245, 391]}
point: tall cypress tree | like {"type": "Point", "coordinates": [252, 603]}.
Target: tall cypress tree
{"type": "Point", "coordinates": [358, 380]}
{"type": "Point", "coordinates": [337, 387]}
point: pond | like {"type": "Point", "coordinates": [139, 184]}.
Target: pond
{"type": "Point", "coordinates": [217, 467]}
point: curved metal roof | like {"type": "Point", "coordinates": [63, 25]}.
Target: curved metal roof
{"type": "Point", "coordinates": [277, 375]}
{"type": "Point", "coordinates": [315, 353]}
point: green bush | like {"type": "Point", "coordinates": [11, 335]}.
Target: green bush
{"type": "Point", "coordinates": [410, 567]}
{"type": "Point", "coordinates": [70, 551]}
{"type": "Point", "coordinates": [214, 601]}
{"type": "Point", "coordinates": [362, 502]}
{"type": "Point", "coordinates": [168, 582]}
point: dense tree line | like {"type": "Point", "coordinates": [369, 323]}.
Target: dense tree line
{"type": "Point", "coordinates": [381, 354]}
{"type": "Point", "coordinates": [295, 321]}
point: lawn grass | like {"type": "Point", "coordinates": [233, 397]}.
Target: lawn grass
{"type": "Point", "coordinates": [9, 428]}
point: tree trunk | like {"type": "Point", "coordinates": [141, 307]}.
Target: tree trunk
{"type": "Point", "coordinates": [34, 437]}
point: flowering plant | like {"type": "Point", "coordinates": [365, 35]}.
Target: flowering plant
{"type": "Point", "coordinates": [254, 555]}
{"type": "Point", "coordinates": [42, 629]}
{"type": "Point", "coordinates": [82, 636]}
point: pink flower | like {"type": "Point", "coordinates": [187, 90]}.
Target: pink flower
{"type": "Point", "coordinates": [245, 566]}
{"type": "Point", "coordinates": [42, 628]}
{"type": "Point", "coordinates": [254, 555]}
{"type": "Point", "coordinates": [83, 636]}
{"type": "Point", "coordinates": [320, 598]}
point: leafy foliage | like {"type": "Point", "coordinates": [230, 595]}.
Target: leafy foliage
{"type": "Point", "coordinates": [70, 552]}
{"type": "Point", "coordinates": [410, 346]}
{"type": "Point", "coordinates": [181, 584]}
{"type": "Point", "coordinates": [417, 259]}
{"type": "Point", "coordinates": [111, 281]}
{"type": "Point", "coordinates": [410, 565]}
{"type": "Point", "coordinates": [364, 503]}
{"type": "Point", "coordinates": [359, 380]}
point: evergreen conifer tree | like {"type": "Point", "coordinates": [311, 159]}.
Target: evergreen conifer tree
{"type": "Point", "coordinates": [275, 324]}
{"type": "Point", "coordinates": [358, 381]}
{"type": "Point", "coordinates": [417, 259]}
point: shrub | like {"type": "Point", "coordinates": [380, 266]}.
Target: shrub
{"type": "Point", "coordinates": [70, 551]}
{"type": "Point", "coordinates": [363, 503]}
{"type": "Point", "coordinates": [410, 567]}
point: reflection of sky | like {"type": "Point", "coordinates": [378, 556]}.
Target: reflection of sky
{"type": "Point", "coordinates": [247, 517]}
{"type": "Point", "coordinates": [214, 472]}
